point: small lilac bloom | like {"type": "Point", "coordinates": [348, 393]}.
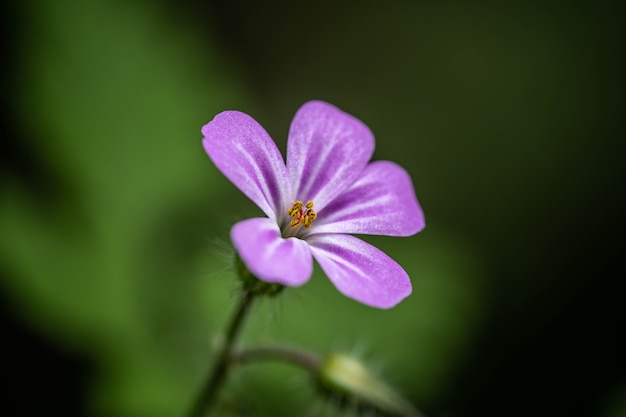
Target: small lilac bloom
{"type": "Point", "coordinates": [327, 190]}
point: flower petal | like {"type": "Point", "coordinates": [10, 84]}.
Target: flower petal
{"type": "Point", "coordinates": [381, 202]}
{"type": "Point", "coordinates": [268, 255]}
{"type": "Point", "coordinates": [249, 158]}
{"type": "Point", "coordinates": [359, 270]}
{"type": "Point", "coordinates": [326, 151]}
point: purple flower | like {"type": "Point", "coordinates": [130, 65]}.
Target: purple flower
{"type": "Point", "coordinates": [326, 190]}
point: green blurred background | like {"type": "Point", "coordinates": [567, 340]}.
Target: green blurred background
{"type": "Point", "coordinates": [114, 250]}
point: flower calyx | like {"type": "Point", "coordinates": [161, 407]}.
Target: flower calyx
{"type": "Point", "coordinates": [253, 285]}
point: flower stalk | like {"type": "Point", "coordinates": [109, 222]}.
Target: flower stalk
{"type": "Point", "coordinates": [298, 357]}
{"type": "Point", "coordinates": [208, 393]}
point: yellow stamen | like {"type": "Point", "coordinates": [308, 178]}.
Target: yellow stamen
{"type": "Point", "coordinates": [304, 216]}
{"type": "Point", "coordinates": [296, 209]}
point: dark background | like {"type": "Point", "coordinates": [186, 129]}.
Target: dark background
{"type": "Point", "coordinates": [507, 116]}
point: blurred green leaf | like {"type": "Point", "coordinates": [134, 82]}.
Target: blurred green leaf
{"type": "Point", "coordinates": [113, 95]}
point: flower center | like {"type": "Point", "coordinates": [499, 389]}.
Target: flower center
{"type": "Point", "coordinates": [302, 214]}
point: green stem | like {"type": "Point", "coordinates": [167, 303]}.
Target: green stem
{"type": "Point", "coordinates": [299, 357]}
{"type": "Point", "coordinates": [209, 392]}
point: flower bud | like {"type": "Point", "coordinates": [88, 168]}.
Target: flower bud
{"type": "Point", "coordinates": [347, 379]}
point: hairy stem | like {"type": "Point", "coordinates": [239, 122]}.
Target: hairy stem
{"type": "Point", "coordinates": [209, 391]}
{"type": "Point", "coordinates": [299, 357]}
